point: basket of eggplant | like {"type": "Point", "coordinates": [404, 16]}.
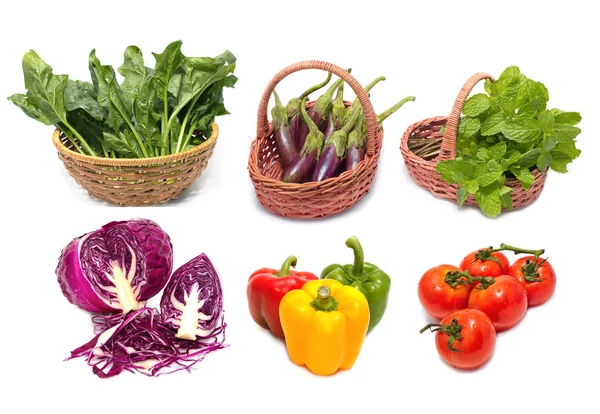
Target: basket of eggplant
{"type": "Point", "coordinates": [316, 158]}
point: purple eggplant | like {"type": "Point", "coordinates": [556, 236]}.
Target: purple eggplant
{"type": "Point", "coordinates": [357, 138]}
{"type": "Point", "coordinates": [302, 166]}
{"type": "Point", "coordinates": [334, 149]}
{"type": "Point", "coordinates": [286, 146]}
{"type": "Point", "coordinates": [293, 106]}
{"type": "Point", "coordinates": [319, 112]}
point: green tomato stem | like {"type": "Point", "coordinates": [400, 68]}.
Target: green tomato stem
{"type": "Point", "coordinates": [453, 331]}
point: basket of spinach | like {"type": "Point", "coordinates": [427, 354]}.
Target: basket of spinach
{"type": "Point", "coordinates": [497, 154]}
{"type": "Point", "coordinates": [138, 140]}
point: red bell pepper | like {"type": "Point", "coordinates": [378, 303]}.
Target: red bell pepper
{"type": "Point", "coordinates": [266, 287]}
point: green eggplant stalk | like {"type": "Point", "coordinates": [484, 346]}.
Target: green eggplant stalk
{"type": "Point", "coordinates": [357, 139]}
{"type": "Point", "coordinates": [293, 106]}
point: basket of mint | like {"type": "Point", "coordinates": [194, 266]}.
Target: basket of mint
{"type": "Point", "coordinates": [497, 154]}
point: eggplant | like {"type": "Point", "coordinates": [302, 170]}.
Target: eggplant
{"type": "Point", "coordinates": [302, 166]}
{"type": "Point", "coordinates": [334, 149]}
{"type": "Point", "coordinates": [286, 146]}
{"type": "Point", "coordinates": [293, 106]}
{"type": "Point", "coordinates": [357, 139]}
{"type": "Point", "coordinates": [319, 112]}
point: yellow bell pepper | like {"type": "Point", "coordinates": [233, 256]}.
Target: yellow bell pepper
{"type": "Point", "coordinates": [325, 324]}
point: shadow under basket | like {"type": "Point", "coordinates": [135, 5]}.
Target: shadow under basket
{"type": "Point", "coordinates": [136, 181]}
{"type": "Point", "coordinates": [423, 170]}
{"type": "Point", "coordinates": [312, 199]}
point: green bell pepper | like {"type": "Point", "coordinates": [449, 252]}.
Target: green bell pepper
{"type": "Point", "coordinates": [373, 282]}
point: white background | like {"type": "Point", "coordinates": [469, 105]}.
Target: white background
{"type": "Point", "coordinates": [427, 49]}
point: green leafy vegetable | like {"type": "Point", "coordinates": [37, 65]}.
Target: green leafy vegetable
{"type": "Point", "coordinates": [152, 111]}
{"type": "Point", "coordinates": [507, 133]}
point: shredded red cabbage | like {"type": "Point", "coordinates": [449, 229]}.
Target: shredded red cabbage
{"type": "Point", "coordinates": [141, 342]}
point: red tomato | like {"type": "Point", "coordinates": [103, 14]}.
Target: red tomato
{"type": "Point", "coordinates": [539, 278]}
{"type": "Point", "coordinates": [504, 301]}
{"type": "Point", "coordinates": [466, 338]}
{"type": "Point", "coordinates": [477, 264]}
{"type": "Point", "coordinates": [438, 297]}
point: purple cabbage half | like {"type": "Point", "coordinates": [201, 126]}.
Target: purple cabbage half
{"type": "Point", "coordinates": [189, 326]}
{"type": "Point", "coordinates": [192, 302]}
{"type": "Point", "coordinates": [117, 268]}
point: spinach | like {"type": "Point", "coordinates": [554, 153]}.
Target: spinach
{"type": "Point", "coordinates": [151, 112]}
{"type": "Point", "coordinates": [508, 132]}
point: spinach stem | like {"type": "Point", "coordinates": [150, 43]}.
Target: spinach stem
{"type": "Point", "coordinates": [80, 138]}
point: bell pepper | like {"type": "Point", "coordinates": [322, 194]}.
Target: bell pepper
{"type": "Point", "coordinates": [265, 289]}
{"type": "Point", "coordinates": [325, 324]}
{"type": "Point", "coordinates": [373, 282]}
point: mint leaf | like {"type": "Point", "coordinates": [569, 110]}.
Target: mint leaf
{"type": "Point", "coordinates": [564, 132]}
{"type": "Point", "coordinates": [563, 154]}
{"type": "Point", "coordinates": [472, 186]}
{"type": "Point", "coordinates": [497, 151]}
{"type": "Point", "coordinates": [467, 127]}
{"type": "Point", "coordinates": [476, 104]}
{"type": "Point", "coordinates": [461, 196]}
{"type": "Point", "coordinates": [567, 118]}
{"type": "Point", "coordinates": [521, 130]}
{"type": "Point", "coordinates": [510, 158]}
{"type": "Point", "coordinates": [493, 165]}
{"type": "Point", "coordinates": [544, 161]}
{"type": "Point", "coordinates": [529, 159]}
{"type": "Point", "coordinates": [549, 143]}
{"type": "Point", "coordinates": [546, 121]}
{"type": "Point", "coordinates": [488, 199]}
{"type": "Point", "coordinates": [506, 201]}
{"type": "Point", "coordinates": [493, 124]}
{"type": "Point", "coordinates": [455, 171]}
{"type": "Point", "coordinates": [530, 109]}
{"type": "Point", "coordinates": [488, 178]}
{"type": "Point", "coordinates": [525, 176]}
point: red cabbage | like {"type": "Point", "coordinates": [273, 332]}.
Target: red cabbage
{"type": "Point", "coordinates": [192, 302]}
{"type": "Point", "coordinates": [117, 268]}
{"type": "Point", "coordinates": [191, 325]}
{"type": "Point", "coordinates": [140, 342]}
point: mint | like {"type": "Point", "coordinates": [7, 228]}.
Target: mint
{"type": "Point", "coordinates": [506, 133]}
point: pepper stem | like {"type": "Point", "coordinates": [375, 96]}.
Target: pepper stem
{"type": "Point", "coordinates": [359, 257]}
{"type": "Point", "coordinates": [324, 301]}
{"type": "Point", "coordinates": [453, 331]}
{"type": "Point", "coordinates": [285, 267]}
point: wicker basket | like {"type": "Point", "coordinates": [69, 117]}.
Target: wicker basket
{"type": "Point", "coordinates": [136, 181]}
{"type": "Point", "coordinates": [424, 172]}
{"type": "Point", "coordinates": [313, 199]}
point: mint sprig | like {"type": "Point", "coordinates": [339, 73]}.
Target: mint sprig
{"type": "Point", "coordinates": [508, 132]}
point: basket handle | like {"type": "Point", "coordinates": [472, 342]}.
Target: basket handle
{"type": "Point", "coordinates": [262, 126]}
{"type": "Point", "coordinates": [448, 148]}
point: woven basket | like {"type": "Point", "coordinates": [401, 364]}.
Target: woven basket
{"type": "Point", "coordinates": [136, 181]}
{"type": "Point", "coordinates": [313, 199]}
{"type": "Point", "coordinates": [424, 172]}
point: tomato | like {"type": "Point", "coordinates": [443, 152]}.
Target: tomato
{"type": "Point", "coordinates": [465, 339]}
{"type": "Point", "coordinates": [438, 297]}
{"type": "Point", "coordinates": [478, 263]}
{"type": "Point", "coordinates": [539, 278]}
{"type": "Point", "coordinates": [504, 301]}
